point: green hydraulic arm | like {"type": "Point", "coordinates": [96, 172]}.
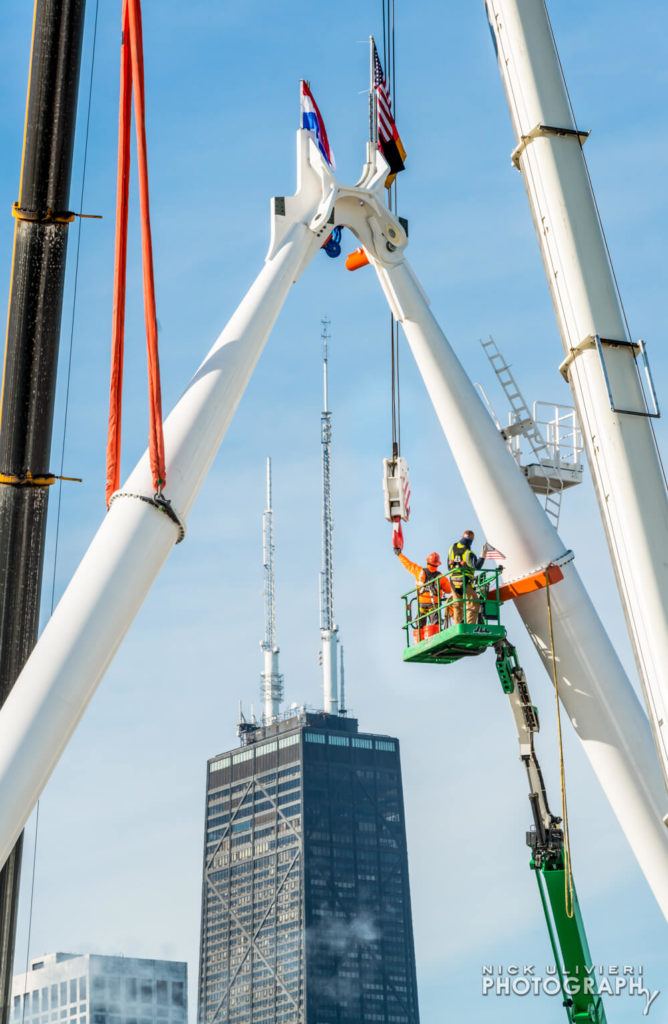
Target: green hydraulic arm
{"type": "Point", "coordinates": [546, 841]}
{"type": "Point", "coordinates": [432, 636]}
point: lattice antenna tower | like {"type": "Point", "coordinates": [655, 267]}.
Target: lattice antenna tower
{"type": "Point", "coordinates": [272, 680]}
{"type": "Point", "coordinates": [328, 628]}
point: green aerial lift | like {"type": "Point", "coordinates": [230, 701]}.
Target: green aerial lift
{"type": "Point", "coordinates": [435, 638]}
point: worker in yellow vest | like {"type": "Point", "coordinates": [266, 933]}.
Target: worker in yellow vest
{"type": "Point", "coordinates": [463, 565]}
{"type": "Point", "coordinates": [432, 589]}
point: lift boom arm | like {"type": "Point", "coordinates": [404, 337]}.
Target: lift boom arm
{"type": "Point", "coordinates": [546, 841]}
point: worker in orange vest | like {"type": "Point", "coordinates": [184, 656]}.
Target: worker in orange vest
{"type": "Point", "coordinates": [432, 589]}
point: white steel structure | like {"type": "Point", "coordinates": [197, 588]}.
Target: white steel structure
{"type": "Point", "coordinates": [548, 473]}
{"type": "Point", "coordinates": [329, 633]}
{"type": "Point", "coordinates": [272, 680]}
{"type": "Point", "coordinates": [135, 538]}
{"type": "Point", "coordinates": [594, 689]}
{"type": "Point", "coordinates": [603, 363]}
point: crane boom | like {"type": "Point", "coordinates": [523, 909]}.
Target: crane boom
{"type": "Point", "coordinates": [603, 364]}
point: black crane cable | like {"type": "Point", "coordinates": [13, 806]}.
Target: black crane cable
{"type": "Point", "coordinates": [390, 66]}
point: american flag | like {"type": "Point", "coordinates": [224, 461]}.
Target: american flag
{"type": "Point", "coordinates": [386, 125]}
{"type": "Point", "coordinates": [493, 553]}
{"type": "Point", "coordinates": [389, 141]}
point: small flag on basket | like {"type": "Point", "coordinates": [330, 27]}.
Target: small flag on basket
{"type": "Point", "coordinates": [493, 553]}
{"type": "Point", "coordinates": [312, 121]}
{"type": "Point", "coordinates": [389, 140]}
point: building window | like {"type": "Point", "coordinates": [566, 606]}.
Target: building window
{"type": "Point", "coordinates": [45, 1000]}
{"type": "Point", "coordinates": [73, 990]}
{"type": "Point", "coordinates": [178, 993]}
{"type": "Point", "coordinates": [243, 755]}
{"type": "Point", "coordinates": [146, 991]}
{"type": "Point", "coordinates": [216, 766]}
{"type": "Point", "coordinates": [82, 988]}
{"type": "Point", "coordinates": [338, 741]}
{"type": "Point", "coordinates": [364, 744]}
{"type": "Point", "coordinates": [266, 748]}
{"type": "Point", "coordinates": [315, 737]}
{"type": "Point", "coordinates": [131, 990]}
{"type": "Point", "coordinates": [161, 992]}
{"type": "Point", "coordinates": [388, 745]}
{"type": "Point", "coordinates": [288, 741]}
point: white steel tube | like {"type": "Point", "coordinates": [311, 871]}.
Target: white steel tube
{"type": "Point", "coordinates": [595, 691]}
{"type": "Point", "coordinates": [271, 685]}
{"type": "Point", "coordinates": [129, 550]}
{"type": "Point", "coordinates": [621, 448]}
{"type": "Point", "coordinates": [330, 640]}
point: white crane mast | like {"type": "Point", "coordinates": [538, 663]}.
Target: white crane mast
{"type": "Point", "coordinates": [603, 364]}
{"type": "Point", "coordinates": [272, 680]}
{"type": "Point", "coordinates": [328, 628]}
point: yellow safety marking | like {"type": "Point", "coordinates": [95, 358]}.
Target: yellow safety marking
{"type": "Point", "coordinates": [28, 480]}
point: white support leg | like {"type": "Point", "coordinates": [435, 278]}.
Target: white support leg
{"type": "Point", "coordinates": [129, 550]}
{"type": "Point", "coordinates": [595, 691]}
{"type": "Point", "coordinates": [604, 375]}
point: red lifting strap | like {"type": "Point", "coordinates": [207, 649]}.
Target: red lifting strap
{"type": "Point", "coordinates": [132, 83]}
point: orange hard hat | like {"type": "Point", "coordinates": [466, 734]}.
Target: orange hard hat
{"type": "Point", "coordinates": [434, 558]}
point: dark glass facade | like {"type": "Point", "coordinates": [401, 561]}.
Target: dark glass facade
{"type": "Point", "coordinates": [306, 915]}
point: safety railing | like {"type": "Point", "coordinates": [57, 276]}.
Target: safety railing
{"type": "Point", "coordinates": [442, 602]}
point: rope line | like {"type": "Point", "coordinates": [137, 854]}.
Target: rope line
{"type": "Point", "coordinates": [390, 65]}
{"type": "Point", "coordinates": [74, 309]}
{"type": "Point", "coordinates": [32, 902]}
{"type": "Point", "coordinates": [132, 89]}
{"type": "Point", "coordinates": [568, 869]}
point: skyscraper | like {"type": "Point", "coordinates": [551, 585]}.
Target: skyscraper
{"type": "Point", "coordinates": [306, 915]}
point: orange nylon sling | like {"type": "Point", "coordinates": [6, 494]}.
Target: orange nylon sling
{"type": "Point", "coordinates": [132, 84]}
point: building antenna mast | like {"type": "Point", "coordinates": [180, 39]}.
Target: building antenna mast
{"type": "Point", "coordinates": [272, 680]}
{"type": "Point", "coordinates": [328, 628]}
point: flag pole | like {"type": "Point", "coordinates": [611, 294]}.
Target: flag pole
{"type": "Point", "coordinates": [372, 107]}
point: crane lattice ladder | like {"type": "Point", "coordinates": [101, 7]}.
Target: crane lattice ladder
{"type": "Point", "coordinates": [431, 636]}
{"type": "Point", "coordinates": [524, 424]}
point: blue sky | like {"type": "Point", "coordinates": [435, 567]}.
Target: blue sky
{"type": "Point", "coordinates": [118, 858]}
